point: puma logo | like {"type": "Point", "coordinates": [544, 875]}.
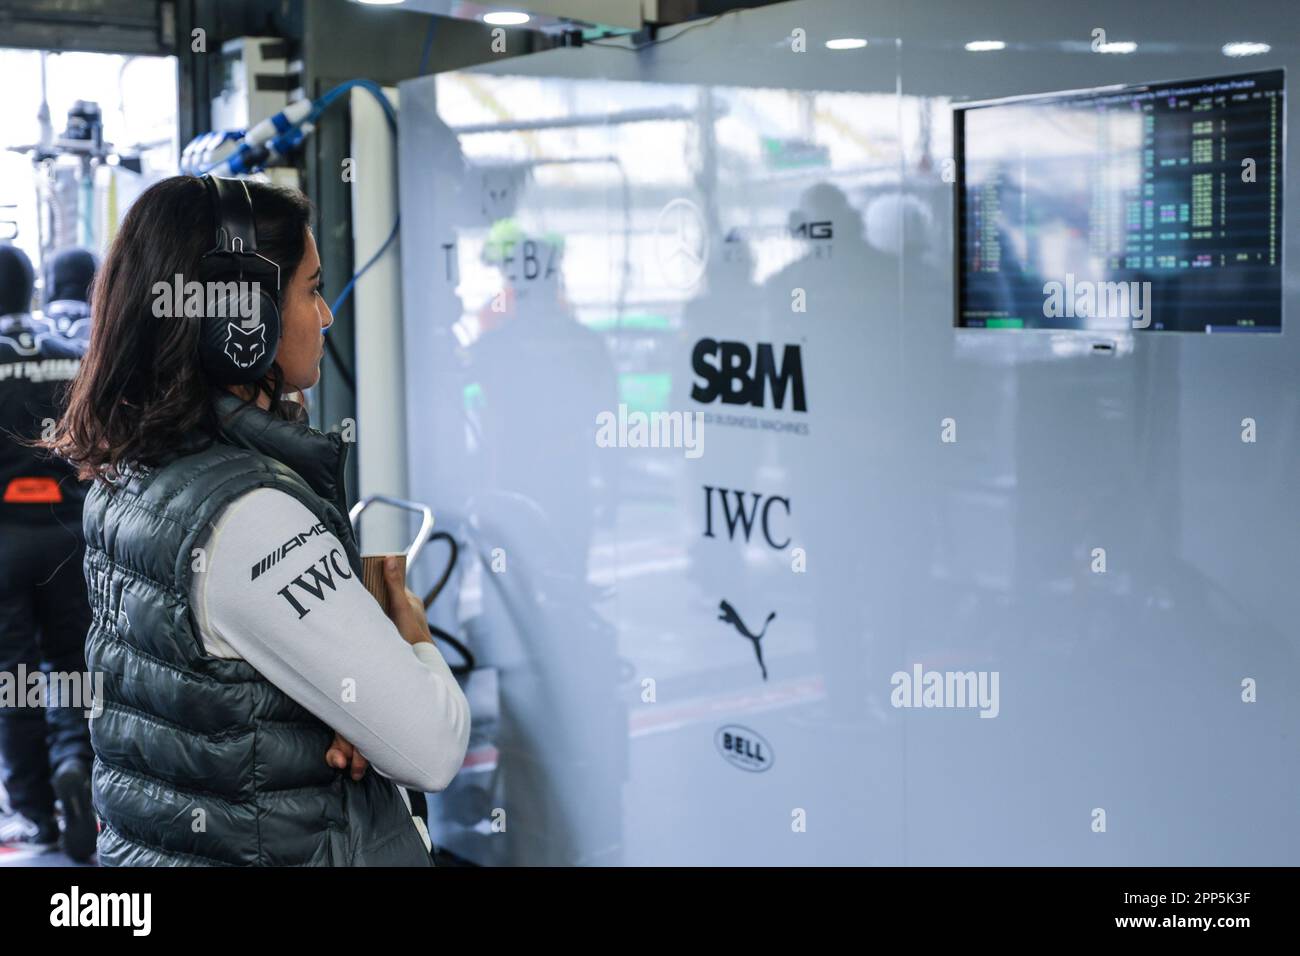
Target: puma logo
{"type": "Point", "coordinates": [245, 346]}
{"type": "Point", "coordinates": [728, 614]}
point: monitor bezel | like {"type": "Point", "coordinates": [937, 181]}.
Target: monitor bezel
{"type": "Point", "coordinates": [959, 197]}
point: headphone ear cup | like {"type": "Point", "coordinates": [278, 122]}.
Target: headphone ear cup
{"type": "Point", "coordinates": [239, 335]}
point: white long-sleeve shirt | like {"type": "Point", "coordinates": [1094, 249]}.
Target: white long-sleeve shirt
{"type": "Point", "coordinates": [273, 586]}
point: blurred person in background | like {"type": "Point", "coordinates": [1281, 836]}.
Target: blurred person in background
{"type": "Point", "coordinates": [44, 613]}
{"type": "Point", "coordinates": [67, 276]}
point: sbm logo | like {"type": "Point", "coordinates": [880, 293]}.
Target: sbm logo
{"type": "Point", "coordinates": [738, 376]}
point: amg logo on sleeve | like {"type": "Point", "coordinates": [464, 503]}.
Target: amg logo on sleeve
{"type": "Point", "coordinates": [296, 541]}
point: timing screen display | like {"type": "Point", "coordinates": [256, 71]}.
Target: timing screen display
{"type": "Point", "coordinates": [1152, 207]}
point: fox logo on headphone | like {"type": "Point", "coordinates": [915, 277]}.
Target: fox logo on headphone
{"type": "Point", "coordinates": [245, 347]}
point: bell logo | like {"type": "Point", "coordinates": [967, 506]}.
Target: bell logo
{"type": "Point", "coordinates": [743, 748]}
{"type": "Point", "coordinates": [739, 376]}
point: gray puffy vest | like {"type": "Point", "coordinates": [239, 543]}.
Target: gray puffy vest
{"type": "Point", "coordinates": [199, 760]}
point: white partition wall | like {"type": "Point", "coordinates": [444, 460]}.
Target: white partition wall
{"type": "Point", "coordinates": [381, 424]}
{"type": "Point", "coordinates": [600, 246]}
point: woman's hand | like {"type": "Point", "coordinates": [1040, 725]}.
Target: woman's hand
{"type": "Point", "coordinates": [341, 753]}
{"type": "Point", "coordinates": [405, 607]}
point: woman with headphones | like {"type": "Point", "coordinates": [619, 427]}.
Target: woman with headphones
{"type": "Point", "coordinates": [258, 707]}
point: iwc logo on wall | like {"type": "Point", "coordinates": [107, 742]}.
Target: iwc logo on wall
{"type": "Point", "coordinates": [743, 748]}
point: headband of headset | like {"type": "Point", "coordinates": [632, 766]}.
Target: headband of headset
{"type": "Point", "coordinates": [232, 208]}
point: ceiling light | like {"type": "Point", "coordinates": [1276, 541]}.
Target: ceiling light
{"type": "Point", "coordinates": [1245, 48]}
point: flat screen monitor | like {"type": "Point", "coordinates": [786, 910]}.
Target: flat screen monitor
{"type": "Point", "coordinates": [1154, 207]}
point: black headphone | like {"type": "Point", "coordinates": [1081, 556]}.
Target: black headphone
{"type": "Point", "coordinates": [240, 329]}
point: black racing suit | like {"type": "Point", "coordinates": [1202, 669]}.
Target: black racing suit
{"type": "Point", "coordinates": [44, 613]}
